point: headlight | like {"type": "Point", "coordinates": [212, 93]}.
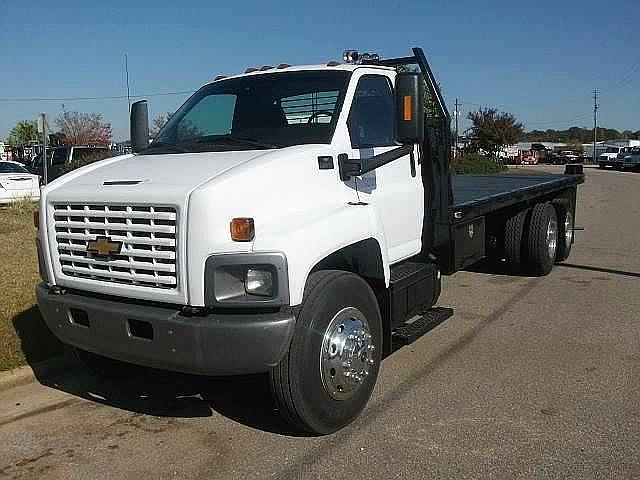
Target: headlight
{"type": "Point", "coordinates": [246, 279]}
{"type": "Point", "coordinates": [259, 282]}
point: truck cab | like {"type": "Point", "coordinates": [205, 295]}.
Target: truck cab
{"type": "Point", "coordinates": [289, 220]}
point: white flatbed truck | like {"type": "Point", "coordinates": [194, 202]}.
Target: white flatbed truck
{"type": "Point", "coordinates": [289, 220]}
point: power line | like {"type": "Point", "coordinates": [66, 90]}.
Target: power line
{"type": "Point", "coordinates": [106, 97]}
{"type": "Point", "coordinates": [577, 118]}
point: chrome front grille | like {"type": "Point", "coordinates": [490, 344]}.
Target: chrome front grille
{"type": "Point", "coordinates": [148, 236]}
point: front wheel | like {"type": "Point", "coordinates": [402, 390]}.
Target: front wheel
{"type": "Point", "coordinates": [327, 376]}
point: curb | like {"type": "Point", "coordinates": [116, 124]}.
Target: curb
{"type": "Point", "coordinates": [32, 373]}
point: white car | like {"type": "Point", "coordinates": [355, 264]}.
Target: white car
{"type": "Point", "coordinates": [17, 183]}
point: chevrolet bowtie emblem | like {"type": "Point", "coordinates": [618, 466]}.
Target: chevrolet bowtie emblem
{"type": "Point", "coordinates": [104, 246]}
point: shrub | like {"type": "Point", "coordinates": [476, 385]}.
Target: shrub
{"type": "Point", "coordinates": [86, 160]}
{"type": "Point", "coordinates": [476, 163]}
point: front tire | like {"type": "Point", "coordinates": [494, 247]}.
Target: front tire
{"type": "Point", "coordinates": [326, 378]}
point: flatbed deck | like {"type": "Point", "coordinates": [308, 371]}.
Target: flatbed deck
{"type": "Point", "coordinates": [480, 194]}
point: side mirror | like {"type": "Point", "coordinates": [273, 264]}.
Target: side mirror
{"type": "Point", "coordinates": [409, 108]}
{"type": "Point", "coordinates": [139, 126]}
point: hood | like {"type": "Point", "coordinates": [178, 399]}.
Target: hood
{"type": "Point", "coordinates": [142, 178]}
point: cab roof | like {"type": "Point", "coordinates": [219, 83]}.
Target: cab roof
{"type": "Point", "coordinates": [349, 67]}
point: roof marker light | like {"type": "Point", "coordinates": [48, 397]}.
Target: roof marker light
{"type": "Point", "coordinates": [350, 56]}
{"type": "Point", "coordinates": [283, 65]}
{"type": "Point", "coordinates": [251, 69]}
{"type": "Point", "coordinates": [353, 56]}
{"type": "Point", "coordinates": [265, 67]}
{"type": "Point", "coordinates": [219, 77]}
{"type": "Point", "coordinates": [332, 63]}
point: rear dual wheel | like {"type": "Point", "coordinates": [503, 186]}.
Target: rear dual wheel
{"type": "Point", "coordinates": [538, 237]}
{"type": "Point", "coordinates": [542, 239]}
{"type": "Point", "coordinates": [566, 229]}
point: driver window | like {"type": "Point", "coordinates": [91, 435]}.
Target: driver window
{"type": "Point", "coordinates": [372, 116]}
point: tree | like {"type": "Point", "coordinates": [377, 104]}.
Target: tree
{"type": "Point", "coordinates": [84, 128]}
{"type": "Point", "coordinates": [159, 122]}
{"type": "Point", "coordinates": [492, 130]}
{"type": "Point", "coordinates": [22, 133]}
{"type": "Point", "coordinates": [431, 107]}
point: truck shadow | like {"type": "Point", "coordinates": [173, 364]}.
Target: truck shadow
{"type": "Point", "coordinates": [243, 399]}
{"type": "Point", "coordinates": [494, 267]}
{"type": "Point", "coordinates": [36, 340]}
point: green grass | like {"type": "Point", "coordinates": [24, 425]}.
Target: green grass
{"type": "Point", "coordinates": [24, 338]}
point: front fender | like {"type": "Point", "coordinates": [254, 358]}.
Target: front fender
{"type": "Point", "coordinates": [309, 237]}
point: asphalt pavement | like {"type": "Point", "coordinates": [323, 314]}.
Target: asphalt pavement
{"type": "Point", "coordinates": [531, 378]}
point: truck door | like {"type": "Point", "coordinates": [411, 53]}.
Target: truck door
{"type": "Point", "coordinates": [394, 189]}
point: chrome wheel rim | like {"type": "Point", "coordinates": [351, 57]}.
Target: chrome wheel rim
{"type": "Point", "coordinates": [568, 231]}
{"type": "Point", "coordinates": [552, 238]}
{"type": "Point", "coordinates": [347, 354]}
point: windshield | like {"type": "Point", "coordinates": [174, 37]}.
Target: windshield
{"type": "Point", "coordinates": [256, 112]}
{"type": "Point", "coordinates": [6, 167]}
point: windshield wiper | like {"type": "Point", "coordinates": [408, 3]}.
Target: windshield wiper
{"type": "Point", "coordinates": [166, 146]}
{"type": "Point", "coordinates": [242, 140]}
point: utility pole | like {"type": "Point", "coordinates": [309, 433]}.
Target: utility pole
{"type": "Point", "coordinates": [126, 69]}
{"type": "Point", "coordinates": [42, 128]}
{"type": "Point", "coordinates": [455, 141]}
{"type": "Point", "coordinates": [595, 122]}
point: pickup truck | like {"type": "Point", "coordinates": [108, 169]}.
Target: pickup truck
{"type": "Point", "coordinates": [294, 221]}
{"type": "Point", "coordinates": [61, 158]}
{"type": "Point", "coordinates": [630, 159]}
{"type": "Point", "coordinates": [609, 158]}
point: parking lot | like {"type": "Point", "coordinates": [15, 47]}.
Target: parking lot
{"type": "Point", "coordinates": [531, 378]}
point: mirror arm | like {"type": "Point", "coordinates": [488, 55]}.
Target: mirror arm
{"type": "Point", "coordinates": [350, 167]}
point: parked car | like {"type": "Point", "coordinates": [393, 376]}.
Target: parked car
{"type": "Point", "coordinates": [17, 183]}
{"type": "Point", "coordinates": [566, 156]}
{"type": "Point", "coordinates": [624, 151]}
{"type": "Point", "coordinates": [60, 157]}
{"type": "Point", "coordinates": [632, 161]}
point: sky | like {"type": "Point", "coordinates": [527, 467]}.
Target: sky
{"type": "Point", "coordinates": [538, 60]}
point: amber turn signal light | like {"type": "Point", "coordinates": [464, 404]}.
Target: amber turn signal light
{"type": "Point", "coordinates": [242, 229]}
{"type": "Point", "coordinates": [407, 116]}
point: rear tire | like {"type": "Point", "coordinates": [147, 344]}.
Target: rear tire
{"type": "Point", "coordinates": [316, 386]}
{"type": "Point", "coordinates": [513, 236]}
{"type": "Point", "coordinates": [565, 230]}
{"type": "Point", "coordinates": [542, 239]}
